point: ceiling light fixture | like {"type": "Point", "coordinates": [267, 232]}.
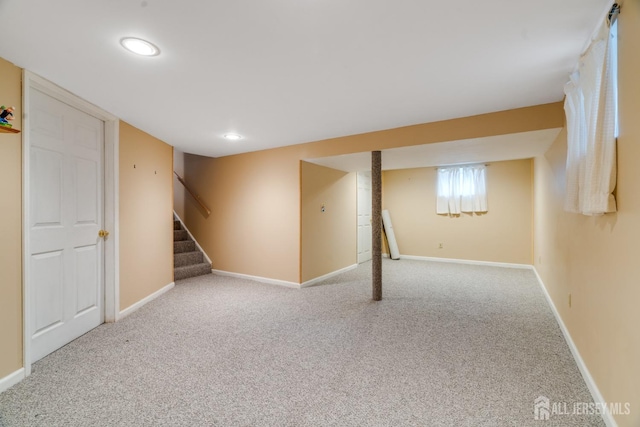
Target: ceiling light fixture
{"type": "Point", "coordinates": [139, 46]}
{"type": "Point", "coordinates": [232, 136]}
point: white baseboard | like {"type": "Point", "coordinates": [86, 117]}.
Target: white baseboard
{"type": "Point", "coordinates": [127, 311]}
{"type": "Point", "coordinates": [12, 379]}
{"type": "Point", "coordinates": [586, 375]}
{"type": "Point", "coordinates": [326, 276]}
{"type": "Point", "coordinates": [467, 261]}
{"type": "Point", "coordinates": [257, 279]}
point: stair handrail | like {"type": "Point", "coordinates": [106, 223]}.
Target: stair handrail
{"type": "Point", "coordinates": [194, 195]}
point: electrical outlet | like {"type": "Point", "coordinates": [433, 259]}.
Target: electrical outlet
{"type": "Point", "coordinates": [569, 300]}
{"type": "Point", "coordinates": [439, 245]}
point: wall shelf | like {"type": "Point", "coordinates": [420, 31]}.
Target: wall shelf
{"type": "Point", "coordinates": [4, 129]}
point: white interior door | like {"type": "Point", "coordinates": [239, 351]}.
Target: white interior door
{"type": "Point", "coordinates": [66, 262]}
{"type": "Point", "coordinates": [364, 216]}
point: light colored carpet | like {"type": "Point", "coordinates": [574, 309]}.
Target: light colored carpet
{"type": "Point", "coordinates": [449, 345]}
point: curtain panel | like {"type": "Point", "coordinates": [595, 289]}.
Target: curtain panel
{"type": "Point", "coordinates": [591, 111]}
{"type": "Point", "coordinates": [461, 189]}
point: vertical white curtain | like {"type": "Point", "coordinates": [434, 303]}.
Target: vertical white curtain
{"type": "Point", "coordinates": [591, 110]}
{"type": "Point", "coordinates": [461, 189]}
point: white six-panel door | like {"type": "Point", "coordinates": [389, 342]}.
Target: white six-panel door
{"type": "Point", "coordinates": [364, 216]}
{"type": "Point", "coordinates": [66, 263]}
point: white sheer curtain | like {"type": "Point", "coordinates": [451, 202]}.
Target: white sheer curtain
{"type": "Point", "coordinates": [591, 110]}
{"type": "Point", "coordinates": [461, 189]}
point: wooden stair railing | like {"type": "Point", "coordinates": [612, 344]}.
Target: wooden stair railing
{"type": "Point", "coordinates": [194, 195]}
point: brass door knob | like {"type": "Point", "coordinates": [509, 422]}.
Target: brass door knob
{"type": "Point", "coordinates": [103, 233]}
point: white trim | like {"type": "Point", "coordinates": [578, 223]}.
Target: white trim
{"type": "Point", "coordinates": [127, 311]}
{"type": "Point", "coordinates": [326, 276]}
{"type": "Point", "coordinates": [586, 375]}
{"type": "Point", "coordinates": [467, 261]}
{"type": "Point", "coordinates": [284, 283]}
{"type": "Point", "coordinates": [184, 227]}
{"type": "Point", "coordinates": [112, 220]}
{"type": "Point", "coordinates": [26, 206]}
{"type": "Point", "coordinates": [111, 197]}
{"type": "Point", "coordinates": [12, 379]}
{"type": "Point", "coordinates": [257, 279]}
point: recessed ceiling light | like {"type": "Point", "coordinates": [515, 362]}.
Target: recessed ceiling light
{"type": "Point", "coordinates": [232, 136]}
{"type": "Point", "coordinates": [139, 46]}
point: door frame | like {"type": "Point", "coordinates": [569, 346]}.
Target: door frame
{"type": "Point", "coordinates": [111, 197]}
{"type": "Point", "coordinates": [358, 175]}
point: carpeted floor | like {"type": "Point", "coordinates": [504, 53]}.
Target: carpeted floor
{"type": "Point", "coordinates": [449, 345]}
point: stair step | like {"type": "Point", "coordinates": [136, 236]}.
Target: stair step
{"type": "Point", "coordinates": [185, 272]}
{"type": "Point", "coordinates": [188, 261]}
{"type": "Point", "coordinates": [184, 246]}
{"type": "Point", "coordinates": [187, 258]}
{"type": "Point", "coordinates": [179, 235]}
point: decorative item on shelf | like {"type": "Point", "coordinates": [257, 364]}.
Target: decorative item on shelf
{"type": "Point", "coordinates": [6, 114]}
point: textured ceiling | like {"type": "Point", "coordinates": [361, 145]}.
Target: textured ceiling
{"type": "Point", "coordinates": [284, 72]}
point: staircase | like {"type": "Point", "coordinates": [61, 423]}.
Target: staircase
{"type": "Point", "coordinates": [188, 260]}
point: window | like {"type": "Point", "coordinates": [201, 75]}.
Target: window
{"type": "Point", "coordinates": [462, 189]}
{"type": "Point", "coordinates": [591, 110]}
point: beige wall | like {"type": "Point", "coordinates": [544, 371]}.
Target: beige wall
{"type": "Point", "coordinates": [179, 199]}
{"type": "Point", "coordinates": [254, 227]}
{"type": "Point", "coordinates": [328, 239]}
{"type": "Point", "coordinates": [146, 219]}
{"type": "Point", "coordinates": [501, 235]}
{"type": "Point", "coordinates": [595, 259]}
{"type": "Point", "coordinates": [11, 225]}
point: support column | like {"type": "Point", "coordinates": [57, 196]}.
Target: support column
{"type": "Point", "coordinates": [376, 226]}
